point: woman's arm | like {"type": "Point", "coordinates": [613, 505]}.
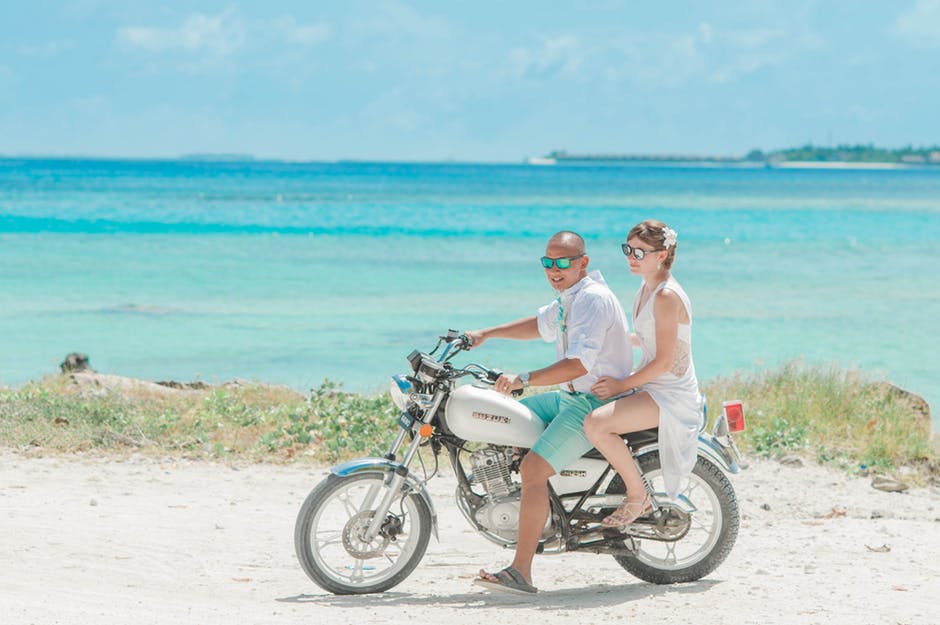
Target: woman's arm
{"type": "Point", "coordinates": [666, 310]}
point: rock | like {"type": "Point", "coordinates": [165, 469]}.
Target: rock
{"type": "Point", "coordinates": [919, 405]}
{"type": "Point", "coordinates": [75, 362]}
{"type": "Point", "coordinates": [791, 460]}
{"type": "Point", "coordinates": [198, 385]}
{"type": "Point", "coordinates": [888, 484]}
{"type": "Point", "coordinates": [91, 383]}
{"type": "Point", "coordinates": [765, 506]}
{"type": "Point", "coordinates": [881, 549]}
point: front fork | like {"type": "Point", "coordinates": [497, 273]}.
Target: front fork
{"type": "Point", "coordinates": [400, 474]}
{"type": "Point", "coordinates": [392, 489]}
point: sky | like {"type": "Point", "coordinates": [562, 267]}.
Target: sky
{"type": "Point", "coordinates": [480, 80]}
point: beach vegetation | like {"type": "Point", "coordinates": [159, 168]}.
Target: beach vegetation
{"type": "Point", "coordinates": [832, 415]}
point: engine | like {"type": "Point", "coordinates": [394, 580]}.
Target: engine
{"type": "Point", "coordinates": [491, 473]}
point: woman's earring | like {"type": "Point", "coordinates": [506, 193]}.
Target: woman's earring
{"type": "Point", "coordinates": [659, 265]}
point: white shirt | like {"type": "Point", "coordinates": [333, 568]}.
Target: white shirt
{"type": "Point", "coordinates": [595, 330]}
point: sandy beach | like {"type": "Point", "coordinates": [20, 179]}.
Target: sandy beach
{"type": "Point", "coordinates": [92, 540]}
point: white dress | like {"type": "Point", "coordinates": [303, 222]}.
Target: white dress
{"type": "Point", "coordinates": [675, 391]}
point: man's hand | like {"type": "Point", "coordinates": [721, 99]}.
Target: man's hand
{"type": "Point", "coordinates": [476, 338]}
{"type": "Point", "coordinates": [606, 387]}
{"type": "Point", "coordinates": [507, 383]}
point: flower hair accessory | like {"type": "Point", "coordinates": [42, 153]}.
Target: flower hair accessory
{"type": "Point", "coordinates": [669, 237]}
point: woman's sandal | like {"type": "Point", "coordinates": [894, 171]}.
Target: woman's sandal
{"type": "Point", "coordinates": [628, 512]}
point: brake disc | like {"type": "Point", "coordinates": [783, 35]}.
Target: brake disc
{"type": "Point", "coordinates": [353, 537]}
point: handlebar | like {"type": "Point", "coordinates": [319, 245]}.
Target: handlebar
{"type": "Point", "coordinates": [458, 342]}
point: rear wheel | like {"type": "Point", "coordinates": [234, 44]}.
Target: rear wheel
{"type": "Point", "coordinates": [708, 534]}
{"type": "Point", "coordinates": [330, 541]}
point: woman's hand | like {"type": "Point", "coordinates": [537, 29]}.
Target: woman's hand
{"type": "Point", "coordinates": [607, 387]}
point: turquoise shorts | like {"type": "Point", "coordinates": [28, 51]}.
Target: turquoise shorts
{"type": "Point", "coordinates": [563, 441]}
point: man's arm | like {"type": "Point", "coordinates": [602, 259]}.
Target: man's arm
{"type": "Point", "coordinates": [522, 329]}
{"type": "Point", "coordinates": [560, 372]}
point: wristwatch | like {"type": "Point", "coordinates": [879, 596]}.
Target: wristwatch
{"type": "Point", "coordinates": [525, 379]}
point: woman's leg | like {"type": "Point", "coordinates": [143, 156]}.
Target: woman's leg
{"type": "Point", "coordinates": [603, 427]}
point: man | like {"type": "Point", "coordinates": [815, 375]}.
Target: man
{"type": "Point", "coordinates": [592, 340]}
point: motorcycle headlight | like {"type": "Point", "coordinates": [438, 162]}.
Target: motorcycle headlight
{"type": "Point", "coordinates": [400, 389]}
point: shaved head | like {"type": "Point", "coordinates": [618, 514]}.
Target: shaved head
{"type": "Point", "coordinates": [571, 241]}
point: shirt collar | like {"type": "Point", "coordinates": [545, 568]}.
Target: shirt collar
{"type": "Point", "coordinates": [592, 277]}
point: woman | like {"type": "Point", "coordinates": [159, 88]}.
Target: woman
{"type": "Point", "coordinates": [663, 389]}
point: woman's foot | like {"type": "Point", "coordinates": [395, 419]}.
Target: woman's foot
{"type": "Point", "coordinates": [628, 512]}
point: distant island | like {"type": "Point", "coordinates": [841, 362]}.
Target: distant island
{"type": "Point", "coordinates": [860, 155]}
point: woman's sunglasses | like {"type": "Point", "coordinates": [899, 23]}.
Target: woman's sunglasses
{"type": "Point", "coordinates": [562, 263]}
{"type": "Point", "coordinates": [636, 252]}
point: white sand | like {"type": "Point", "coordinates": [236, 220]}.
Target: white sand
{"type": "Point", "coordinates": [143, 541]}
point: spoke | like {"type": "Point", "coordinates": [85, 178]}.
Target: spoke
{"type": "Point", "coordinates": [670, 553]}
{"type": "Point", "coordinates": [357, 574]}
{"type": "Point", "coordinates": [348, 505]}
{"type": "Point", "coordinates": [333, 538]}
{"type": "Point", "coordinates": [699, 522]}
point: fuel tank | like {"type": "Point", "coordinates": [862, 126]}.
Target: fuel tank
{"type": "Point", "coordinates": [483, 415]}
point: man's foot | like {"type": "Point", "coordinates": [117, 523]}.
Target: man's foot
{"type": "Point", "coordinates": [507, 580]}
{"type": "Point", "coordinates": [628, 512]}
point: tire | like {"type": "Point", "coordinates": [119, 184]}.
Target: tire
{"type": "Point", "coordinates": [714, 524]}
{"type": "Point", "coordinates": [329, 522]}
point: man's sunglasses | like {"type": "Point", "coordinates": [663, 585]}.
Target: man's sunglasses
{"type": "Point", "coordinates": [562, 263]}
{"type": "Point", "coordinates": [636, 252]}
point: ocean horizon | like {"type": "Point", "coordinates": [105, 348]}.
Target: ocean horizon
{"type": "Point", "coordinates": [293, 272]}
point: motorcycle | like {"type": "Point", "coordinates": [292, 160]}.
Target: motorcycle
{"type": "Point", "coordinates": [366, 526]}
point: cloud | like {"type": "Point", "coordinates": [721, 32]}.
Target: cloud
{"type": "Point", "coordinates": [215, 36]}
{"type": "Point", "coordinates": [556, 55]}
{"type": "Point", "coordinates": [45, 50]}
{"type": "Point", "coordinates": [920, 24]}
{"type": "Point", "coordinates": [302, 34]}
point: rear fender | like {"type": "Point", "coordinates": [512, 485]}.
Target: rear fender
{"type": "Point", "coordinates": [385, 466]}
{"type": "Point", "coordinates": [709, 447]}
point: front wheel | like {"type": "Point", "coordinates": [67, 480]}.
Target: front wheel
{"type": "Point", "coordinates": [329, 535]}
{"type": "Point", "coordinates": [707, 535]}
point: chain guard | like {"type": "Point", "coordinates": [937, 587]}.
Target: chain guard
{"type": "Point", "coordinates": [666, 525]}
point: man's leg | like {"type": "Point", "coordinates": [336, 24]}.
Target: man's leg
{"type": "Point", "coordinates": [562, 442]}
{"type": "Point", "coordinates": [534, 503]}
{"type": "Point", "coordinates": [533, 511]}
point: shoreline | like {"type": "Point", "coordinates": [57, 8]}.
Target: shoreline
{"type": "Point", "coordinates": [91, 379]}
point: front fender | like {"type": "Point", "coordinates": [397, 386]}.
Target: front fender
{"type": "Point", "coordinates": [383, 466]}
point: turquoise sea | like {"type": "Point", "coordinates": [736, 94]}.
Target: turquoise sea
{"type": "Point", "coordinates": [294, 272]}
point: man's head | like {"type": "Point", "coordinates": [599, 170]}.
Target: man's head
{"type": "Point", "coordinates": [569, 247]}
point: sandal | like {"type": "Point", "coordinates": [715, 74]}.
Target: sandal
{"type": "Point", "coordinates": [628, 512]}
{"type": "Point", "coordinates": [509, 580]}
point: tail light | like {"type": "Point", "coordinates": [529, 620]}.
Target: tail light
{"type": "Point", "coordinates": [734, 413]}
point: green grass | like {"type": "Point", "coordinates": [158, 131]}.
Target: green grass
{"type": "Point", "coordinates": [251, 421]}
{"type": "Point", "coordinates": [837, 416]}
{"type": "Point", "coordinates": [833, 415]}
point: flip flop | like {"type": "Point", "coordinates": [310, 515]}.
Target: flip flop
{"type": "Point", "coordinates": [510, 580]}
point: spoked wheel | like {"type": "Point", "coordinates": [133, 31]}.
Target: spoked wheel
{"type": "Point", "coordinates": [330, 535]}
{"type": "Point", "coordinates": [705, 537]}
